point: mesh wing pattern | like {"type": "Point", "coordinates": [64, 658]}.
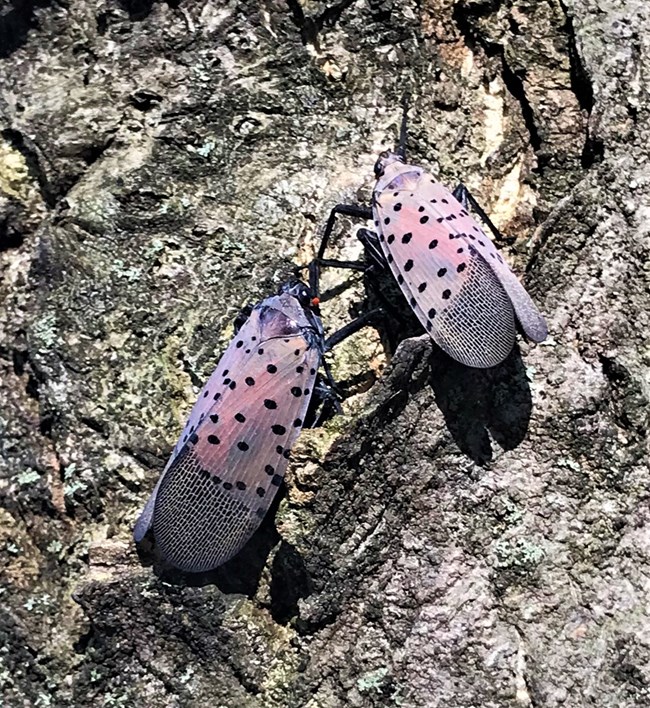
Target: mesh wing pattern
{"type": "Point", "coordinates": [218, 489]}
{"type": "Point", "coordinates": [234, 449]}
{"type": "Point", "coordinates": [456, 296]}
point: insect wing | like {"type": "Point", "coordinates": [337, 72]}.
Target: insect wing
{"type": "Point", "coordinates": [223, 481]}
{"type": "Point", "coordinates": [530, 318]}
{"type": "Point", "coordinates": [220, 485]}
{"type": "Point", "coordinates": [239, 349]}
{"type": "Point", "coordinates": [432, 246]}
{"type": "Point", "coordinates": [455, 295]}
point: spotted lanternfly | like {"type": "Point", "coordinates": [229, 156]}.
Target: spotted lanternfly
{"type": "Point", "coordinates": [458, 284]}
{"type": "Point", "coordinates": [232, 455]}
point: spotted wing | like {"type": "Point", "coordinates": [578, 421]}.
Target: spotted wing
{"type": "Point", "coordinates": [239, 350]}
{"type": "Point", "coordinates": [530, 318]}
{"type": "Point", "coordinates": [432, 248]}
{"type": "Point", "coordinates": [220, 485]}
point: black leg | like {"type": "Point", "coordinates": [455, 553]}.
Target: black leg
{"type": "Point", "coordinates": [241, 318]}
{"type": "Point", "coordinates": [465, 197]}
{"type": "Point", "coordinates": [371, 245]}
{"type": "Point", "coordinates": [330, 379]}
{"type": "Point", "coordinates": [326, 389]}
{"type": "Point", "coordinates": [314, 277]}
{"type": "Point", "coordinates": [352, 327]}
{"type": "Point", "coordinates": [349, 265]}
{"type": "Point", "coordinates": [401, 148]}
{"type": "Point", "coordinates": [325, 395]}
{"type": "Point", "coordinates": [370, 241]}
{"type": "Point", "coordinates": [460, 192]}
{"type": "Point", "coordinates": [315, 265]}
{"type": "Point", "coordinates": [346, 209]}
{"type": "Point", "coordinates": [337, 338]}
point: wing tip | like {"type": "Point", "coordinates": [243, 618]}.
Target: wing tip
{"type": "Point", "coordinates": [140, 529]}
{"type": "Point", "coordinates": [535, 328]}
{"type": "Point", "coordinates": [143, 524]}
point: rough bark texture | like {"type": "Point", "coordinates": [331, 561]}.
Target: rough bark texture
{"type": "Point", "coordinates": [461, 538]}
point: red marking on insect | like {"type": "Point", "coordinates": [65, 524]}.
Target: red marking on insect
{"type": "Point", "coordinates": [234, 450]}
{"type": "Point", "coordinates": [458, 284]}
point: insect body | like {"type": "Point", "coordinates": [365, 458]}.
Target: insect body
{"type": "Point", "coordinates": [458, 284]}
{"type": "Point", "coordinates": [232, 455]}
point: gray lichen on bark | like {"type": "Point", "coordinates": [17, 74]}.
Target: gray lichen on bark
{"type": "Point", "coordinates": [459, 538]}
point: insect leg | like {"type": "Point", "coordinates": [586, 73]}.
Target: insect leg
{"type": "Point", "coordinates": [241, 318]}
{"type": "Point", "coordinates": [351, 265]}
{"type": "Point", "coordinates": [314, 266]}
{"type": "Point", "coordinates": [401, 149]}
{"type": "Point", "coordinates": [370, 241]}
{"type": "Point", "coordinates": [325, 394]}
{"type": "Point", "coordinates": [352, 327]}
{"type": "Point", "coordinates": [336, 338]}
{"type": "Point", "coordinates": [465, 197]}
{"type": "Point", "coordinates": [461, 193]}
{"type": "Point", "coordinates": [346, 209]}
{"type": "Point", "coordinates": [326, 388]}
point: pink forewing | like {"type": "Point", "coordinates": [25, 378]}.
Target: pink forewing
{"type": "Point", "coordinates": [455, 280]}
{"type": "Point", "coordinates": [220, 485]}
{"type": "Point", "coordinates": [232, 455]}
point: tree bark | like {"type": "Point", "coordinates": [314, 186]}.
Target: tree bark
{"type": "Point", "coordinates": [459, 537]}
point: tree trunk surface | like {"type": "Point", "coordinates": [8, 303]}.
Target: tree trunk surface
{"type": "Point", "coordinates": [458, 538]}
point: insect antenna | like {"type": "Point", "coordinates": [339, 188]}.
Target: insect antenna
{"type": "Point", "coordinates": [401, 149]}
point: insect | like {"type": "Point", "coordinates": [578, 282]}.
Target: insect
{"type": "Point", "coordinates": [233, 452]}
{"type": "Point", "coordinates": [453, 277]}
